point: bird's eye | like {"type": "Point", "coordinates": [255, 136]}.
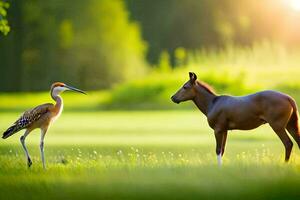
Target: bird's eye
{"type": "Point", "coordinates": [185, 87]}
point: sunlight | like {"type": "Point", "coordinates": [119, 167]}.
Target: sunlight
{"type": "Point", "coordinates": [294, 4]}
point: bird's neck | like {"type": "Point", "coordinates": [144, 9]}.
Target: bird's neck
{"type": "Point", "coordinates": [59, 104]}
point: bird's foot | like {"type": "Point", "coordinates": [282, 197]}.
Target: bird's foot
{"type": "Point", "coordinates": [29, 162]}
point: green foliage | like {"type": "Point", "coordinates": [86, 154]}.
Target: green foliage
{"type": "Point", "coordinates": [66, 34]}
{"type": "Point", "coordinates": [155, 90]}
{"type": "Point", "coordinates": [164, 64]}
{"type": "Point", "coordinates": [74, 102]}
{"type": "Point", "coordinates": [152, 92]}
{"type": "Point", "coordinates": [234, 71]}
{"type": "Point", "coordinates": [114, 45]}
{"type": "Point", "coordinates": [100, 43]}
{"type": "Point", "coordinates": [93, 45]}
{"type": "Point", "coordinates": [4, 27]}
{"type": "Point", "coordinates": [180, 57]}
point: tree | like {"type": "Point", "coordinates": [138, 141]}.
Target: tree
{"type": "Point", "coordinates": [108, 46]}
{"type": "Point", "coordinates": [92, 44]}
{"type": "Point", "coordinates": [4, 27]}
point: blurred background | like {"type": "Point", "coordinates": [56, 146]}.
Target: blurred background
{"type": "Point", "coordinates": [139, 52]}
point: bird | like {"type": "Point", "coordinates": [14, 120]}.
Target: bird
{"type": "Point", "coordinates": [40, 117]}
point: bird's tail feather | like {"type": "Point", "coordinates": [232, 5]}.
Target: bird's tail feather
{"type": "Point", "coordinates": [10, 131]}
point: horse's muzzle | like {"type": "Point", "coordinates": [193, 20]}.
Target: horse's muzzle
{"type": "Point", "coordinates": [175, 100]}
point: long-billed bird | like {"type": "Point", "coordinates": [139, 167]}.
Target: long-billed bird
{"type": "Point", "coordinates": [40, 117]}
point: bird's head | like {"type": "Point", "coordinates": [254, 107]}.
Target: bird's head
{"type": "Point", "coordinates": [59, 87]}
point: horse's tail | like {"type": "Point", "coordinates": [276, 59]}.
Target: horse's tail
{"type": "Point", "coordinates": [293, 126]}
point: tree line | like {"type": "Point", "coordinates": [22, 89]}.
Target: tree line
{"type": "Point", "coordinates": [92, 44]}
{"type": "Point", "coordinates": [99, 43]}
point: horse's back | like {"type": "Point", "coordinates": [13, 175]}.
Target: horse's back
{"type": "Point", "coordinates": [271, 99]}
{"type": "Point", "coordinates": [276, 104]}
{"type": "Point", "coordinates": [271, 94]}
{"type": "Point", "coordinates": [248, 112]}
{"type": "Point", "coordinates": [266, 97]}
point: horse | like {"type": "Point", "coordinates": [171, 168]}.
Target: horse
{"type": "Point", "coordinates": [225, 112]}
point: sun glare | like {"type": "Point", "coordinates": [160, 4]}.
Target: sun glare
{"type": "Point", "coordinates": [294, 4]}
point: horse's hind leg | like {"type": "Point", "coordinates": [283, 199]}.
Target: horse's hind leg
{"type": "Point", "coordinates": [294, 133]}
{"type": "Point", "coordinates": [288, 144]}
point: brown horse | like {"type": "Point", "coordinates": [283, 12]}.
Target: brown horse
{"type": "Point", "coordinates": [244, 113]}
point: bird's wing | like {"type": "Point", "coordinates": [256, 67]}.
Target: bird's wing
{"type": "Point", "coordinates": [27, 118]}
{"type": "Point", "coordinates": [32, 115]}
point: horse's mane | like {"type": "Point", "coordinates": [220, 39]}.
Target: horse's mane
{"type": "Point", "coordinates": [206, 87]}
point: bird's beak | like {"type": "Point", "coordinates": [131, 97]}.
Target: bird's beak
{"type": "Point", "coordinates": [74, 89]}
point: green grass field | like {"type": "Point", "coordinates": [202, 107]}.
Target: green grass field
{"type": "Point", "coordinates": [145, 155]}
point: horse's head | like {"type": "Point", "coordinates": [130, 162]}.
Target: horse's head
{"type": "Point", "coordinates": [187, 91]}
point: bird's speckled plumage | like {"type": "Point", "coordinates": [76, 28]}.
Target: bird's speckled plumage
{"type": "Point", "coordinates": [28, 118]}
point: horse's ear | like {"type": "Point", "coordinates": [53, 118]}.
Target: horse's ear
{"type": "Point", "coordinates": [193, 77]}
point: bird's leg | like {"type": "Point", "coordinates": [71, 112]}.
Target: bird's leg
{"type": "Point", "coordinates": [43, 133]}
{"type": "Point", "coordinates": [22, 139]}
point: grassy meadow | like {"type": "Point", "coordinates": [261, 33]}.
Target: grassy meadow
{"type": "Point", "coordinates": [132, 142]}
{"type": "Point", "coordinates": [145, 155]}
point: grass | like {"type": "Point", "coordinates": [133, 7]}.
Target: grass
{"type": "Point", "coordinates": [145, 155]}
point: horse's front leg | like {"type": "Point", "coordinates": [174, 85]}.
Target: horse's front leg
{"type": "Point", "coordinates": [220, 136]}
{"type": "Point", "coordinates": [224, 142]}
